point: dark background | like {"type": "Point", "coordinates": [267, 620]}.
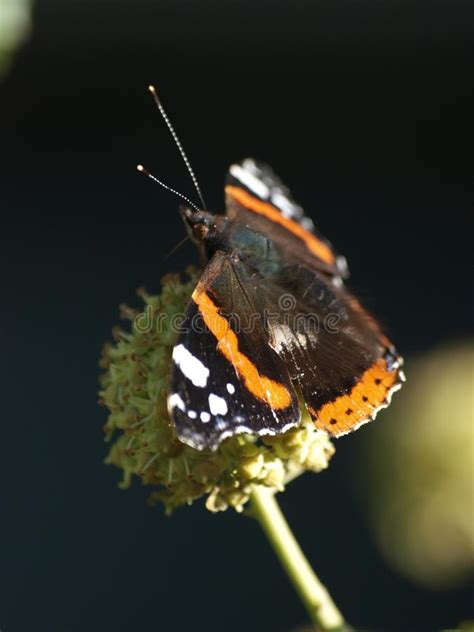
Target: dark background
{"type": "Point", "coordinates": [364, 109]}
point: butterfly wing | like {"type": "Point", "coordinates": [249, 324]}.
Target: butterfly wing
{"type": "Point", "coordinates": [344, 366]}
{"type": "Point", "coordinates": [256, 196]}
{"type": "Point", "coordinates": [226, 380]}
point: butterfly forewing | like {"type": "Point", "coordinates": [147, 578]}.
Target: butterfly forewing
{"type": "Point", "coordinates": [225, 379]}
{"type": "Point", "coordinates": [257, 197]}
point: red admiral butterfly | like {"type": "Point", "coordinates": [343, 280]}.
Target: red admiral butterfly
{"type": "Point", "coordinates": [271, 323]}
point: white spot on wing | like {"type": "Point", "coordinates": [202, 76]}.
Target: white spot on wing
{"type": "Point", "coordinates": [205, 417]}
{"type": "Point", "coordinates": [285, 205]}
{"type": "Point", "coordinates": [279, 340]}
{"type": "Point", "coordinates": [192, 414]}
{"type": "Point", "coordinates": [307, 223]}
{"type": "Point", "coordinates": [250, 181]}
{"type": "Point", "coordinates": [191, 367]}
{"type": "Point", "coordinates": [175, 401]}
{"type": "Point", "coordinates": [217, 405]}
{"type": "Point", "coordinates": [230, 388]}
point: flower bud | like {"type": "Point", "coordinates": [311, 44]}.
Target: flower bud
{"type": "Point", "coordinates": [134, 388]}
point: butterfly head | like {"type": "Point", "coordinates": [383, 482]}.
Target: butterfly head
{"type": "Point", "coordinates": [199, 224]}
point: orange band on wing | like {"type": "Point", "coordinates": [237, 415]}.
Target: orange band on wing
{"type": "Point", "coordinates": [273, 393]}
{"type": "Point", "coordinates": [317, 247]}
{"type": "Point", "coordinates": [371, 393]}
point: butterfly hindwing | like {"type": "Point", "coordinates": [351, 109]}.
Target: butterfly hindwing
{"type": "Point", "coordinates": [345, 368]}
{"type": "Point", "coordinates": [226, 380]}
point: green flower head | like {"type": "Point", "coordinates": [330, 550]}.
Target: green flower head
{"type": "Point", "coordinates": [134, 388]}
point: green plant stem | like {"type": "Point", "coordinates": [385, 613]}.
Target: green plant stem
{"type": "Point", "coordinates": [313, 594]}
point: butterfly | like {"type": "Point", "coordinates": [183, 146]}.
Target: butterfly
{"type": "Point", "coordinates": [271, 326]}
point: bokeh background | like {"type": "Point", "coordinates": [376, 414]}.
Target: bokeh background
{"type": "Point", "coordinates": [365, 109]}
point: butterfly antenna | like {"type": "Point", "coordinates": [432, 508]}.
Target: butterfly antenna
{"type": "Point", "coordinates": [178, 143]}
{"type": "Point", "coordinates": [142, 169]}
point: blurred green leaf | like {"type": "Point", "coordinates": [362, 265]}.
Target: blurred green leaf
{"type": "Point", "coordinates": [15, 26]}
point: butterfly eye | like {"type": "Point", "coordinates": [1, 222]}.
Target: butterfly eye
{"type": "Point", "coordinates": [201, 231]}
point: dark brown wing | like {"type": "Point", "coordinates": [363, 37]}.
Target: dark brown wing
{"type": "Point", "coordinates": [255, 196]}
{"type": "Point", "coordinates": [345, 368]}
{"type": "Point", "coordinates": [226, 379]}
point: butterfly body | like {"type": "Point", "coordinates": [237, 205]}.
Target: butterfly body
{"type": "Point", "coordinates": [235, 238]}
{"type": "Point", "coordinates": [270, 322]}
